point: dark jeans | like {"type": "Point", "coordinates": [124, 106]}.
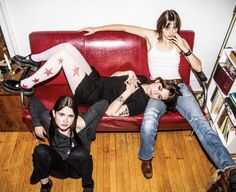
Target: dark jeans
{"type": "Point", "coordinates": [47, 161]}
{"type": "Point", "coordinates": [92, 117]}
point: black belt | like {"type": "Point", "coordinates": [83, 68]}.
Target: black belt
{"type": "Point", "coordinates": [174, 81]}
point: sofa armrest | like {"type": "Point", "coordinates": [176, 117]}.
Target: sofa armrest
{"type": "Point", "coordinates": [202, 79]}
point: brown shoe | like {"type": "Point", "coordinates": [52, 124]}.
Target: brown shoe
{"type": "Point", "coordinates": [229, 179]}
{"type": "Point", "coordinates": [147, 168]}
{"type": "Point", "coordinates": [224, 181]}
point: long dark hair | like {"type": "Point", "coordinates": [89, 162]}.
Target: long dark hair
{"type": "Point", "coordinates": [174, 93]}
{"type": "Point", "coordinates": [164, 20]}
{"type": "Point", "coordinates": [64, 101]}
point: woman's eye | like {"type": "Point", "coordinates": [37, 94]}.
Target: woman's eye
{"type": "Point", "coordinates": [60, 114]}
{"type": "Point", "coordinates": [71, 116]}
{"type": "Point", "coordinates": [159, 97]}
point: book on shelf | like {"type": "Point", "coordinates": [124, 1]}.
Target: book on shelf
{"type": "Point", "coordinates": [223, 78]}
{"type": "Point", "coordinates": [232, 96]}
{"type": "Point", "coordinates": [232, 56]}
{"type": "Point", "coordinates": [221, 117]}
{"type": "Point", "coordinates": [229, 102]}
{"type": "Point", "coordinates": [227, 129]}
{"type": "Point", "coordinates": [223, 125]}
{"type": "Point", "coordinates": [231, 109]}
{"type": "Point", "coordinates": [217, 101]}
{"type": "Point", "coordinates": [230, 68]}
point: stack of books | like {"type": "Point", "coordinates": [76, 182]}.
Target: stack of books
{"type": "Point", "coordinates": [230, 103]}
{"type": "Point", "coordinates": [223, 77]}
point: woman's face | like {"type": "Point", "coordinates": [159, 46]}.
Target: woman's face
{"type": "Point", "coordinates": [64, 118]}
{"type": "Point", "coordinates": [170, 30]}
{"type": "Point", "coordinates": [156, 91]}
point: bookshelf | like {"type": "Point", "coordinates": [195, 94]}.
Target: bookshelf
{"type": "Point", "coordinates": [221, 89]}
{"type": "Point", "coordinates": [221, 94]}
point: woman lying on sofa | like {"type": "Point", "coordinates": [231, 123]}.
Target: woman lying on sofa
{"type": "Point", "coordinates": [127, 93]}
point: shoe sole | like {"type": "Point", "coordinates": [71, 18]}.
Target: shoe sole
{"type": "Point", "coordinates": [17, 92]}
{"type": "Point", "coordinates": [33, 68]}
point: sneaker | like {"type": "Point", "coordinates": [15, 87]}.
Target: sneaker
{"type": "Point", "coordinates": [47, 187]}
{"type": "Point", "coordinates": [26, 61]}
{"type": "Point", "coordinates": [13, 86]}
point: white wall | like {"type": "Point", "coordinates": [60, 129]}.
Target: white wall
{"type": "Point", "coordinates": [208, 18]}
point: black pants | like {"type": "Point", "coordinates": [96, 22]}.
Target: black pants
{"type": "Point", "coordinates": [47, 161]}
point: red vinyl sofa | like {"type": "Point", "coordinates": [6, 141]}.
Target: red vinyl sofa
{"type": "Point", "coordinates": [107, 51]}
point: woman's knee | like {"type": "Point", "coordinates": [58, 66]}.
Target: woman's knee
{"type": "Point", "coordinates": [42, 151]}
{"type": "Point", "coordinates": [68, 47]}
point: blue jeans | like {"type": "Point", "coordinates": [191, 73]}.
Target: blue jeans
{"type": "Point", "coordinates": [190, 110]}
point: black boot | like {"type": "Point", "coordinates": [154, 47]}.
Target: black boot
{"type": "Point", "coordinates": [46, 187]}
{"type": "Point", "coordinates": [13, 86]}
{"type": "Point", "coordinates": [26, 62]}
{"type": "Point", "coordinates": [89, 187]}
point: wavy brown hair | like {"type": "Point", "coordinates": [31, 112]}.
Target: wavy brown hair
{"type": "Point", "coordinates": [174, 93]}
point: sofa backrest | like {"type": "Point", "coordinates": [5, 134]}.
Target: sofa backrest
{"type": "Point", "coordinates": [107, 51]}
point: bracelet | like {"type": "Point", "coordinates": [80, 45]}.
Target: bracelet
{"type": "Point", "coordinates": [188, 53]}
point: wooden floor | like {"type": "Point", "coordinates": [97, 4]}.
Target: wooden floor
{"type": "Point", "coordinates": [179, 164]}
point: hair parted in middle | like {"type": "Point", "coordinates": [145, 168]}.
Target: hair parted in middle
{"type": "Point", "coordinates": [164, 20]}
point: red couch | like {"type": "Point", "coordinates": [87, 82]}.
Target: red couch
{"type": "Point", "coordinates": [107, 52]}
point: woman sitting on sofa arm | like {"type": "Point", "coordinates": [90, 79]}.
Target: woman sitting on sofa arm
{"type": "Point", "coordinates": [127, 93]}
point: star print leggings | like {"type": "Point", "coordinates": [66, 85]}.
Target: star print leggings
{"type": "Point", "coordinates": [62, 56]}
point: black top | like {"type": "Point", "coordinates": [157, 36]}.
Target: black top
{"type": "Point", "coordinates": [95, 87]}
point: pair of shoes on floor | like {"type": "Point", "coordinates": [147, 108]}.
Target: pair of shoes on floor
{"type": "Point", "coordinates": [47, 187]}
{"type": "Point", "coordinates": [223, 181]}
{"type": "Point", "coordinates": [146, 168]}
{"type": "Point", "coordinates": [13, 86]}
{"type": "Point", "coordinates": [27, 61]}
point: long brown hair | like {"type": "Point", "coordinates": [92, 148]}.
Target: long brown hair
{"type": "Point", "coordinates": [65, 101]}
{"type": "Point", "coordinates": [164, 20]}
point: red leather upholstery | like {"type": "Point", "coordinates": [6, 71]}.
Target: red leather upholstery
{"type": "Point", "coordinates": [107, 52]}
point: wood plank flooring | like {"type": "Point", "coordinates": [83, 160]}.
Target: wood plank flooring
{"type": "Point", "coordinates": [179, 165]}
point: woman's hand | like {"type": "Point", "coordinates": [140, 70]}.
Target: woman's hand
{"type": "Point", "coordinates": [40, 132]}
{"type": "Point", "coordinates": [181, 43]}
{"type": "Point", "coordinates": [89, 30]}
{"type": "Point", "coordinates": [131, 85]}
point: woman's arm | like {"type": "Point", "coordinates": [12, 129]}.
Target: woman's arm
{"type": "Point", "coordinates": [40, 117]}
{"type": "Point", "coordinates": [143, 32]}
{"type": "Point", "coordinates": [193, 60]}
{"type": "Point", "coordinates": [80, 124]}
{"type": "Point", "coordinates": [117, 107]}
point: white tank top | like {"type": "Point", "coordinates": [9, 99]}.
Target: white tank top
{"type": "Point", "coordinates": [163, 64]}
